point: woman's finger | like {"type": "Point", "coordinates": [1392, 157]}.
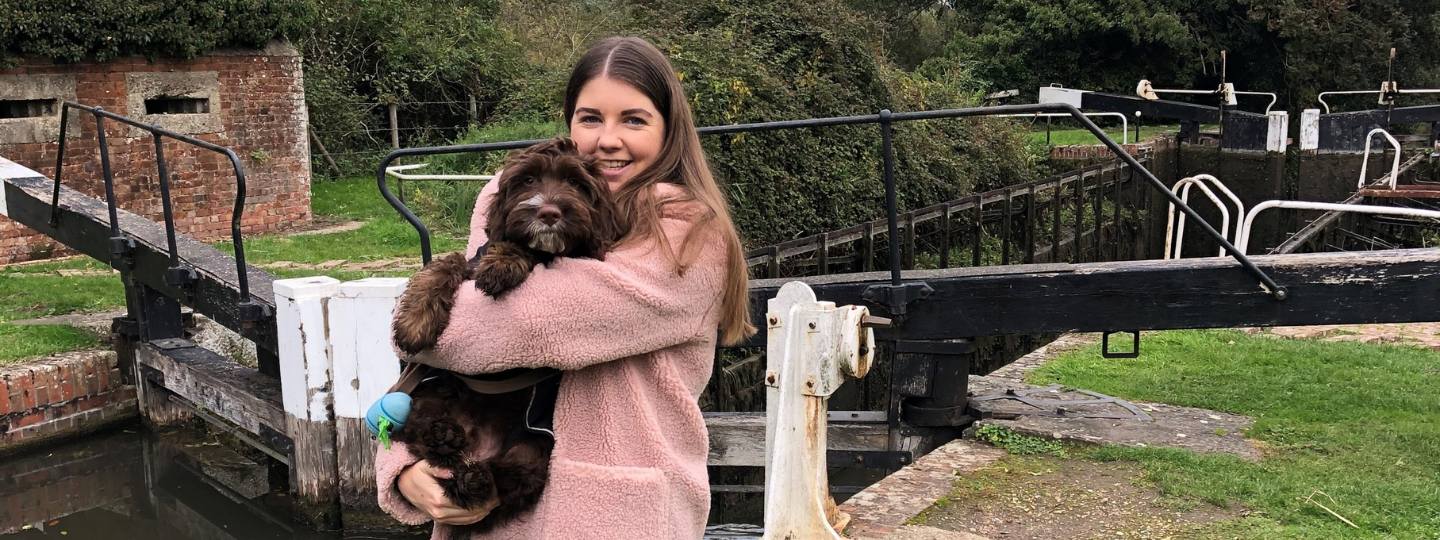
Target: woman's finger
{"type": "Point", "coordinates": [453, 515]}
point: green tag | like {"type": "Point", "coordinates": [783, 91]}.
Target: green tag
{"type": "Point", "coordinates": [385, 432]}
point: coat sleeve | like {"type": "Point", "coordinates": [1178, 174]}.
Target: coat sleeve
{"type": "Point", "coordinates": [579, 312]}
{"type": "Point", "coordinates": [388, 466]}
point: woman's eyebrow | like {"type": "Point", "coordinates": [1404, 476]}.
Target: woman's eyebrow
{"type": "Point", "coordinates": [636, 112]}
{"type": "Point", "coordinates": [588, 110]}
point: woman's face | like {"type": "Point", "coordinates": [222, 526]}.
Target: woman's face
{"type": "Point", "coordinates": [618, 125]}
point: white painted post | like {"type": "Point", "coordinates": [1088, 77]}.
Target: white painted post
{"type": "Point", "coordinates": [1310, 130]}
{"type": "Point", "coordinates": [1278, 136]}
{"type": "Point", "coordinates": [301, 320]}
{"type": "Point", "coordinates": [365, 367]}
{"type": "Point", "coordinates": [812, 347]}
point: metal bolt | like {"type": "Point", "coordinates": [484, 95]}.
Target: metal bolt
{"type": "Point", "coordinates": [810, 383]}
{"type": "Point", "coordinates": [774, 320]}
{"type": "Point", "coordinates": [770, 378]}
{"type": "Point", "coordinates": [864, 350]}
{"type": "Point", "coordinates": [812, 325]}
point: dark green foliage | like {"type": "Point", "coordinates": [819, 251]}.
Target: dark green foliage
{"type": "Point", "coordinates": [751, 61]}
{"type": "Point", "coordinates": [757, 61]}
{"type": "Point", "coordinates": [1018, 443]}
{"type": "Point", "coordinates": [360, 56]}
{"type": "Point", "coordinates": [73, 30]}
{"type": "Point", "coordinates": [1296, 48]}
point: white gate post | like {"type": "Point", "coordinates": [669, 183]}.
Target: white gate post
{"type": "Point", "coordinates": [1278, 136]}
{"type": "Point", "coordinates": [1310, 130]}
{"type": "Point", "coordinates": [365, 367]}
{"type": "Point", "coordinates": [301, 307]}
{"type": "Point", "coordinates": [812, 347]}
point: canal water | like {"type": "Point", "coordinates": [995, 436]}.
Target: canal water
{"type": "Point", "coordinates": [130, 483]}
{"type": "Point", "coordinates": [126, 483]}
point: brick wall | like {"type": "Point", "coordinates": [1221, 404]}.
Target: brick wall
{"type": "Point", "coordinates": [61, 396]}
{"type": "Point", "coordinates": [1096, 151]}
{"type": "Point", "coordinates": [257, 109]}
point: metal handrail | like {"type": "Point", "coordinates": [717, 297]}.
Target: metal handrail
{"type": "Point", "coordinates": [1171, 219]}
{"type": "Point", "coordinates": [1239, 206]}
{"type": "Point", "coordinates": [1145, 85]}
{"type": "Point", "coordinates": [884, 118]}
{"type": "Point", "coordinates": [1365, 158]}
{"type": "Point", "coordinates": [1183, 186]}
{"type": "Point", "coordinates": [249, 309]}
{"type": "Point", "coordinates": [395, 170]}
{"type": "Point", "coordinates": [1244, 241]}
{"type": "Point", "coordinates": [1321, 97]}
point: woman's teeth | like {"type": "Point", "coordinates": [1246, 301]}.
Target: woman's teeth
{"type": "Point", "coordinates": [613, 163]}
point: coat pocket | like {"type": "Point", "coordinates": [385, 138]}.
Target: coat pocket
{"type": "Point", "coordinates": [585, 500]}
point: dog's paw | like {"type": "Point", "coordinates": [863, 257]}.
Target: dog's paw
{"type": "Point", "coordinates": [443, 442]}
{"type": "Point", "coordinates": [470, 485]}
{"type": "Point", "coordinates": [423, 311]}
{"type": "Point", "coordinates": [503, 268]}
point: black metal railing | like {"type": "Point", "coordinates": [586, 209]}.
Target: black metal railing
{"type": "Point", "coordinates": [885, 118]}
{"type": "Point", "coordinates": [179, 274]}
{"type": "Point", "coordinates": [961, 224]}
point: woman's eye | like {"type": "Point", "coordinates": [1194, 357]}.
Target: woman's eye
{"type": "Point", "coordinates": [635, 121]}
{"type": "Point", "coordinates": [589, 119]}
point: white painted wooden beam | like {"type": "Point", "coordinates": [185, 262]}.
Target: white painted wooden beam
{"type": "Point", "coordinates": [1310, 129]}
{"type": "Point", "coordinates": [302, 332]}
{"type": "Point", "coordinates": [1277, 138]}
{"type": "Point", "coordinates": [365, 366]}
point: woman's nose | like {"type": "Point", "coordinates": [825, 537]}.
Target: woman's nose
{"type": "Point", "coordinates": [608, 141]}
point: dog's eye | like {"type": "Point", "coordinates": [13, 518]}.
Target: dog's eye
{"type": "Point", "coordinates": [529, 180]}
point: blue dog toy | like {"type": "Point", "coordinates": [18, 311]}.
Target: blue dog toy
{"type": "Point", "coordinates": [388, 414]}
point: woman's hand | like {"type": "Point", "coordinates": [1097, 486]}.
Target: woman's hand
{"type": "Point", "coordinates": [417, 484]}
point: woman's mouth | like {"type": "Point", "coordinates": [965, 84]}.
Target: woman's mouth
{"type": "Point", "coordinates": [613, 168]}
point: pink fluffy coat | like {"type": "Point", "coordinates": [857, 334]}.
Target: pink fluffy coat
{"type": "Point", "coordinates": [636, 340]}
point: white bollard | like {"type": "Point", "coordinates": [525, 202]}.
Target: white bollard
{"type": "Point", "coordinates": [365, 365]}
{"type": "Point", "coordinates": [1310, 129]}
{"type": "Point", "coordinates": [812, 348]}
{"type": "Point", "coordinates": [1278, 136]}
{"type": "Point", "coordinates": [302, 332]}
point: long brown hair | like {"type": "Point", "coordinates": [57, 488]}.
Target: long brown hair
{"type": "Point", "coordinates": [681, 161]}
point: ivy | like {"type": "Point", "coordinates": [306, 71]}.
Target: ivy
{"type": "Point", "coordinates": [98, 30]}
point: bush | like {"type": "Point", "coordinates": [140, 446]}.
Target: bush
{"type": "Point", "coordinates": [99, 30]}
{"type": "Point", "coordinates": [752, 61]}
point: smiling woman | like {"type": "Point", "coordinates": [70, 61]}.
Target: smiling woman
{"type": "Point", "coordinates": [617, 125]}
{"type": "Point", "coordinates": [634, 333]}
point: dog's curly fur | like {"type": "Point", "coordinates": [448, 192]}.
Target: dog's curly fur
{"type": "Point", "coordinates": [551, 203]}
{"type": "Point", "coordinates": [447, 418]}
{"type": "Point", "coordinates": [547, 181]}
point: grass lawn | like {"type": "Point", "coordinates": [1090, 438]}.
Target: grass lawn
{"type": "Point", "coordinates": [1358, 422]}
{"type": "Point", "coordinates": [38, 290]}
{"type": "Point", "coordinates": [1061, 134]}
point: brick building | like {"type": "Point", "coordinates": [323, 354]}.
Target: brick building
{"type": "Point", "coordinates": [251, 101]}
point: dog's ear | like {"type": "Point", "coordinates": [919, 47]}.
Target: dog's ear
{"type": "Point", "coordinates": [499, 210]}
{"type": "Point", "coordinates": [606, 225]}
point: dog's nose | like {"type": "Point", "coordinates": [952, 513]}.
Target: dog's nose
{"type": "Point", "coordinates": [549, 214]}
